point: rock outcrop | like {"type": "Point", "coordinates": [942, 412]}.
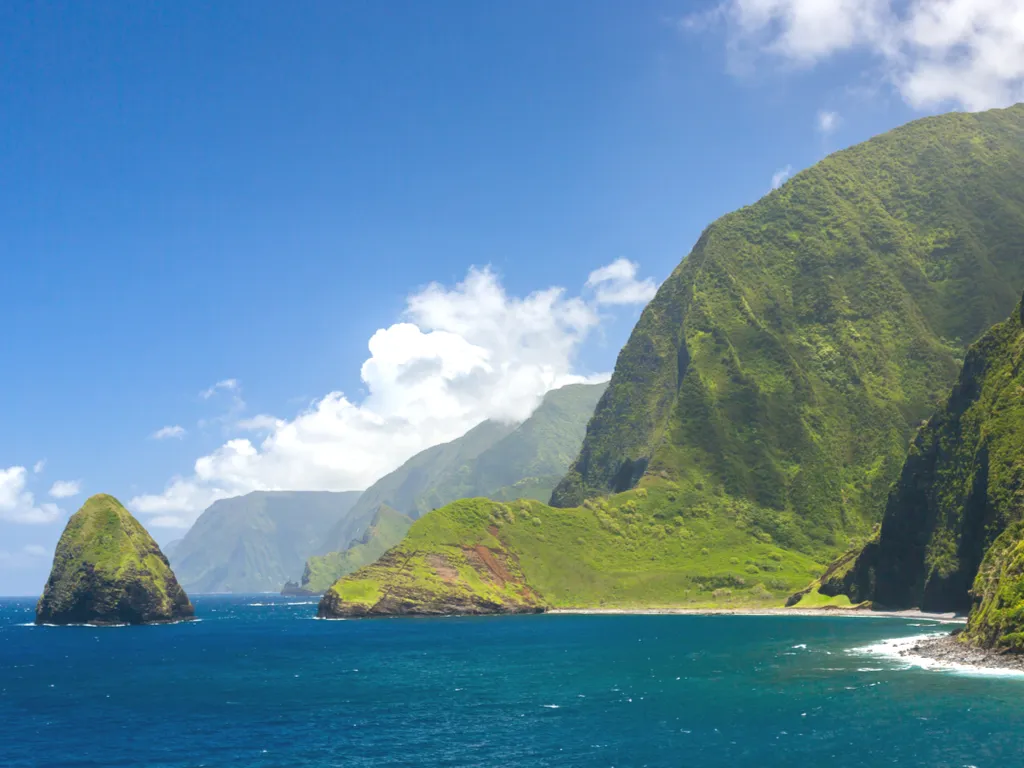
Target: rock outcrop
{"type": "Point", "coordinates": [108, 570]}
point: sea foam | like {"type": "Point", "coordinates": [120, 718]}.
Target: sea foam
{"type": "Point", "coordinates": [898, 649]}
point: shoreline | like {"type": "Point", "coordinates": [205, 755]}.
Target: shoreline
{"type": "Point", "coordinates": [945, 652]}
{"type": "Point", "coordinates": [862, 613]}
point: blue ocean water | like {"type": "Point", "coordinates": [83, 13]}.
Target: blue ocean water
{"type": "Point", "coordinates": [257, 682]}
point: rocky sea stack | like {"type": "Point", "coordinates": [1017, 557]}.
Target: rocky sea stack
{"type": "Point", "coordinates": [109, 570]}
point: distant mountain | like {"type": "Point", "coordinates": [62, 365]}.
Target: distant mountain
{"type": "Point", "coordinates": [254, 543]}
{"type": "Point", "coordinates": [169, 547]}
{"type": "Point", "coordinates": [500, 461]}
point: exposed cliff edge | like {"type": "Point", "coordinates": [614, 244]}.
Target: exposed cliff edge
{"type": "Point", "coordinates": [108, 570]}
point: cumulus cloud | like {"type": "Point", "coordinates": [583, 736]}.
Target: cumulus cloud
{"type": "Point", "coordinates": [966, 53]}
{"type": "Point", "coordinates": [458, 356]}
{"type": "Point", "coordinates": [780, 176]}
{"type": "Point", "coordinates": [225, 385]}
{"type": "Point", "coordinates": [65, 489]}
{"type": "Point", "coordinates": [616, 283]}
{"type": "Point", "coordinates": [18, 505]}
{"type": "Point", "coordinates": [165, 433]}
{"type": "Point", "coordinates": [39, 466]}
{"type": "Point", "coordinates": [827, 121]}
{"type": "Point", "coordinates": [26, 557]}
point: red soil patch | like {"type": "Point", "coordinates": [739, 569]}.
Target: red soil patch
{"type": "Point", "coordinates": [498, 570]}
{"type": "Point", "coordinates": [442, 569]}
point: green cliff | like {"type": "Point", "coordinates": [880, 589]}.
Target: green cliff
{"type": "Point", "coordinates": [108, 570]}
{"type": "Point", "coordinates": [764, 403]}
{"type": "Point", "coordinates": [787, 361]}
{"type": "Point", "coordinates": [951, 538]}
{"type": "Point", "coordinates": [256, 542]}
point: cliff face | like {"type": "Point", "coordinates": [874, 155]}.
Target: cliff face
{"type": "Point", "coordinates": [108, 570]}
{"type": "Point", "coordinates": [256, 542]}
{"type": "Point", "coordinates": [951, 536]}
{"type": "Point", "coordinates": [787, 361]}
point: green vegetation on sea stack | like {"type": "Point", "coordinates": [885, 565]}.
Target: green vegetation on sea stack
{"type": "Point", "coordinates": [952, 532]}
{"type": "Point", "coordinates": [766, 398]}
{"type": "Point", "coordinates": [108, 570]}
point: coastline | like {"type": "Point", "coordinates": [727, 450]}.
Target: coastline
{"type": "Point", "coordinates": [945, 652]}
{"type": "Point", "coordinates": [861, 613]}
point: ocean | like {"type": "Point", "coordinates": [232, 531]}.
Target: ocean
{"type": "Point", "coordinates": [258, 682]}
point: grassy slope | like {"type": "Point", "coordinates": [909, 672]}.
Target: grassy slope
{"type": "Point", "coordinates": [783, 367]}
{"type": "Point", "coordinates": [635, 548]}
{"type": "Point", "coordinates": [103, 544]}
{"type": "Point", "coordinates": [387, 529]}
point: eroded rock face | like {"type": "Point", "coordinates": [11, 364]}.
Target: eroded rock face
{"type": "Point", "coordinates": [108, 570]}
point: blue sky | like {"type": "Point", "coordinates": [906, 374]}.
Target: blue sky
{"type": "Point", "coordinates": [244, 194]}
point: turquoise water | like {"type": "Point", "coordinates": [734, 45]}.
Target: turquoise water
{"type": "Point", "coordinates": [266, 685]}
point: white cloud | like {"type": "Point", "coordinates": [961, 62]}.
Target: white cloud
{"type": "Point", "coordinates": [65, 489]}
{"type": "Point", "coordinates": [39, 466]}
{"type": "Point", "coordinates": [260, 423]}
{"type": "Point", "coordinates": [26, 557]}
{"type": "Point", "coordinates": [460, 355]}
{"type": "Point", "coordinates": [616, 283]}
{"type": "Point", "coordinates": [827, 121]}
{"type": "Point", "coordinates": [965, 53]}
{"type": "Point", "coordinates": [18, 505]}
{"type": "Point", "coordinates": [780, 176]}
{"type": "Point", "coordinates": [165, 433]}
{"type": "Point", "coordinates": [225, 385]}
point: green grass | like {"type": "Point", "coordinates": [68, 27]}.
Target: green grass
{"type": "Point", "coordinates": [814, 599]}
{"type": "Point", "coordinates": [639, 548]}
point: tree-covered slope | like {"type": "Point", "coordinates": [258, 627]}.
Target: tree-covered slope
{"type": "Point", "coordinates": [784, 365]}
{"type": "Point", "coordinates": [108, 570]}
{"type": "Point", "coordinates": [954, 518]}
{"type": "Point", "coordinates": [387, 528]}
{"type": "Point", "coordinates": [254, 543]}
